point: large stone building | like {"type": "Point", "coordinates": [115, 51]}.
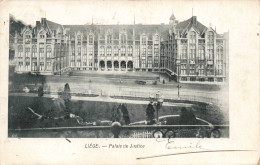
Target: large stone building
{"type": "Point", "coordinates": [186, 51]}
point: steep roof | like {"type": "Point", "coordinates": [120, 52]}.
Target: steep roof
{"type": "Point", "coordinates": [192, 22]}
{"type": "Point", "coordinates": [53, 25]}
{"type": "Point", "coordinates": [101, 30]}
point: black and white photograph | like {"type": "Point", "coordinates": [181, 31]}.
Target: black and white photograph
{"type": "Point", "coordinates": [129, 82]}
{"type": "Point", "coordinates": [117, 80]}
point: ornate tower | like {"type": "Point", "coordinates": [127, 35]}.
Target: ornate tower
{"type": "Point", "coordinates": [172, 23]}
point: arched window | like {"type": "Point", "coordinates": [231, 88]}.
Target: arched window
{"type": "Point", "coordinates": [115, 50]}
{"type": "Point", "coordinates": [201, 52]}
{"type": "Point", "coordinates": [109, 39]}
{"type": "Point", "coordinates": [156, 39]}
{"type": "Point", "coordinates": [27, 34]}
{"type": "Point", "coordinates": [192, 37]}
{"type": "Point", "coordinates": [210, 37]}
{"type": "Point", "coordinates": [143, 40]}
{"type": "Point", "coordinates": [130, 51]}
{"type": "Point", "coordinates": [184, 52]}
{"type": "Point", "coordinates": [48, 51]}
{"type": "Point", "coordinates": [102, 51]}
{"type": "Point", "coordinates": [27, 37]}
{"type": "Point", "coordinates": [109, 51]}
{"type": "Point", "coordinates": [79, 39]}
{"type": "Point", "coordinates": [123, 38]}
{"type": "Point", "coordinates": [123, 51]}
{"type": "Point", "coordinates": [91, 39]}
{"type": "Point", "coordinates": [42, 35]}
{"type": "Point", "coordinates": [20, 50]}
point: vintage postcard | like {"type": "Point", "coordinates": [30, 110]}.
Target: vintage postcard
{"type": "Point", "coordinates": [129, 82]}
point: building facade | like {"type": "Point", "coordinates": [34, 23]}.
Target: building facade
{"type": "Point", "coordinates": [186, 51]}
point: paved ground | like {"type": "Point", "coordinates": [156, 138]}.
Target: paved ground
{"type": "Point", "coordinates": [105, 83]}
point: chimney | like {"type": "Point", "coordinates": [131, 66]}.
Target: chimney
{"type": "Point", "coordinates": [43, 21]}
{"type": "Point", "coordinates": [38, 24]}
{"type": "Point", "coordinates": [194, 20]}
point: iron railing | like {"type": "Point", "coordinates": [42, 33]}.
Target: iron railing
{"type": "Point", "coordinates": [134, 131]}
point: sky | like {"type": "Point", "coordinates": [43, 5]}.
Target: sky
{"type": "Point", "coordinates": [123, 12]}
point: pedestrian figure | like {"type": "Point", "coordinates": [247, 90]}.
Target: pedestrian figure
{"type": "Point", "coordinates": [150, 113]}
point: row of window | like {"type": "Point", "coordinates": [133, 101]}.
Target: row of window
{"type": "Point", "coordinates": [34, 66]}
{"type": "Point", "coordinates": [201, 52]}
{"type": "Point", "coordinates": [200, 69]}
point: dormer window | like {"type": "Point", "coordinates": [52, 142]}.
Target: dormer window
{"type": "Point", "coordinates": [144, 40]}
{"type": "Point", "coordinates": [27, 37]}
{"type": "Point", "coordinates": [91, 40]}
{"type": "Point", "coordinates": [79, 39]}
{"type": "Point", "coordinates": [109, 39]}
{"type": "Point", "coordinates": [42, 35]}
{"type": "Point", "coordinates": [123, 38]}
{"type": "Point", "coordinates": [210, 37]}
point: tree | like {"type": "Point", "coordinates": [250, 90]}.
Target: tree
{"type": "Point", "coordinates": [125, 114]}
{"type": "Point", "coordinates": [150, 114]}
{"type": "Point", "coordinates": [66, 97]}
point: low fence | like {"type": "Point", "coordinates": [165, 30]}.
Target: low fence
{"type": "Point", "coordinates": [118, 131]}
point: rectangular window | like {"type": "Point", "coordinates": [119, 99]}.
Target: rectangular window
{"type": "Point", "coordinates": [20, 65]}
{"type": "Point", "coordinates": [41, 66]}
{"type": "Point", "coordinates": [116, 51]}
{"type": "Point", "coordinates": [84, 50]}
{"type": "Point", "coordinates": [183, 69]}
{"type": "Point", "coordinates": [90, 51]}
{"type": "Point", "coordinates": [150, 51]}
{"type": "Point", "coordinates": [123, 51]}
{"type": "Point", "coordinates": [79, 51]}
{"type": "Point", "coordinates": [73, 51]}
{"type": "Point", "coordinates": [143, 64]}
{"type": "Point", "coordinates": [90, 63]}
{"type": "Point", "coordinates": [41, 50]}
{"type": "Point", "coordinates": [27, 52]}
{"type": "Point", "coordinates": [130, 51]}
{"type": "Point", "coordinates": [143, 50]}
{"type": "Point", "coordinates": [34, 66]}
{"type": "Point", "coordinates": [48, 66]}
{"type": "Point", "coordinates": [20, 50]}
{"type": "Point", "coordinates": [102, 51]}
{"type": "Point", "coordinates": [150, 62]}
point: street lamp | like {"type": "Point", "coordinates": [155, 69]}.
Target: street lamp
{"type": "Point", "coordinates": [178, 70]}
{"type": "Point", "coordinates": [159, 102]}
{"type": "Point", "coordinates": [178, 86]}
